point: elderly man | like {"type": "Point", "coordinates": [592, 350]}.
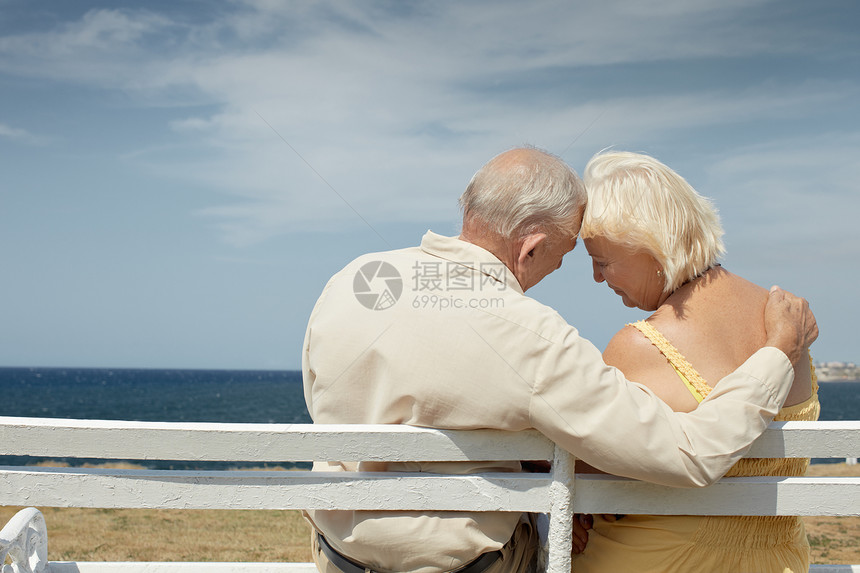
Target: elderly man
{"type": "Point", "coordinates": [442, 335]}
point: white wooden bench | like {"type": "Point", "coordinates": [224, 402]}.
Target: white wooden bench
{"type": "Point", "coordinates": [559, 493]}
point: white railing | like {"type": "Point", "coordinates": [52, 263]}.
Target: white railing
{"type": "Point", "coordinates": [558, 493]}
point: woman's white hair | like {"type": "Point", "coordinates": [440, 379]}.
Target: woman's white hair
{"type": "Point", "coordinates": [639, 202]}
{"type": "Point", "coordinates": [525, 190]}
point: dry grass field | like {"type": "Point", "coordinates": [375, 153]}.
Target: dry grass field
{"type": "Point", "coordinates": [76, 534]}
{"type": "Point", "coordinates": [834, 539]}
{"type": "Point", "coordinates": [173, 535]}
{"type": "Point", "coordinates": [196, 535]}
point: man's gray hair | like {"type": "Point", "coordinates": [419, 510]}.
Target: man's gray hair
{"type": "Point", "coordinates": [525, 190]}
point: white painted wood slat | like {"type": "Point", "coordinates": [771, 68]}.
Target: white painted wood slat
{"type": "Point", "coordinates": [768, 495]}
{"type": "Point", "coordinates": [808, 440]}
{"type": "Point", "coordinates": [103, 488]}
{"type": "Point", "coordinates": [112, 439]}
{"type": "Point", "coordinates": [561, 512]}
{"type": "Point", "coordinates": [176, 567]}
{"type": "Point", "coordinates": [106, 488]}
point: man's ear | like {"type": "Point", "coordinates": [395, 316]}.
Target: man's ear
{"type": "Point", "coordinates": [529, 243]}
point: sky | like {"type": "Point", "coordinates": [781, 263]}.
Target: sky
{"type": "Point", "coordinates": [179, 179]}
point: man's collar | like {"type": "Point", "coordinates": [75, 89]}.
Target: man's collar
{"type": "Point", "coordinates": [471, 256]}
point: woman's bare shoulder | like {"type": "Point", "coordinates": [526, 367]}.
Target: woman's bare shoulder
{"type": "Point", "coordinates": [629, 349]}
{"type": "Point", "coordinates": [720, 307]}
{"type": "Point", "coordinates": [756, 293]}
{"type": "Point", "coordinates": [640, 361]}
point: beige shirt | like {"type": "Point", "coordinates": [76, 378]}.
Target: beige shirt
{"type": "Point", "coordinates": [452, 342]}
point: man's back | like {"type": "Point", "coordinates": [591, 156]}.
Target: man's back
{"type": "Point", "coordinates": [446, 354]}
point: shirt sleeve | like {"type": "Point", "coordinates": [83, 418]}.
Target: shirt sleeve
{"type": "Point", "coordinates": [623, 428]}
{"type": "Point", "coordinates": [308, 374]}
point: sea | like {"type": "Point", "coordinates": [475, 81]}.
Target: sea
{"type": "Point", "coordinates": [242, 396]}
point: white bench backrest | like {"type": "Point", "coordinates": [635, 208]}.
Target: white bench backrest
{"type": "Point", "coordinates": [559, 493]}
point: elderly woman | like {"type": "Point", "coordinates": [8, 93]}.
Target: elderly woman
{"type": "Point", "coordinates": [655, 242]}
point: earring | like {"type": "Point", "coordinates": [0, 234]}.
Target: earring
{"type": "Point", "coordinates": [659, 272]}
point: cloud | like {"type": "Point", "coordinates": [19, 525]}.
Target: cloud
{"type": "Point", "coordinates": [800, 191]}
{"type": "Point", "coordinates": [103, 47]}
{"type": "Point", "coordinates": [438, 42]}
{"type": "Point", "coordinates": [380, 107]}
{"type": "Point", "coordinates": [22, 135]}
{"type": "Point", "coordinates": [385, 175]}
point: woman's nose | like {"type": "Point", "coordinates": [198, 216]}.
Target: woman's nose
{"type": "Point", "coordinates": [598, 276]}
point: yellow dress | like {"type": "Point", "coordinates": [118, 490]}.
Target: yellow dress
{"type": "Point", "coordinates": [685, 543]}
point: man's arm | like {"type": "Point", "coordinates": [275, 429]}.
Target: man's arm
{"type": "Point", "coordinates": [623, 428]}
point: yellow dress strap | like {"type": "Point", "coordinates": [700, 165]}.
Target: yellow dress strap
{"type": "Point", "coordinates": [689, 376]}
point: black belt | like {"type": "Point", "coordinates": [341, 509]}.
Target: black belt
{"type": "Point", "coordinates": [347, 565]}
